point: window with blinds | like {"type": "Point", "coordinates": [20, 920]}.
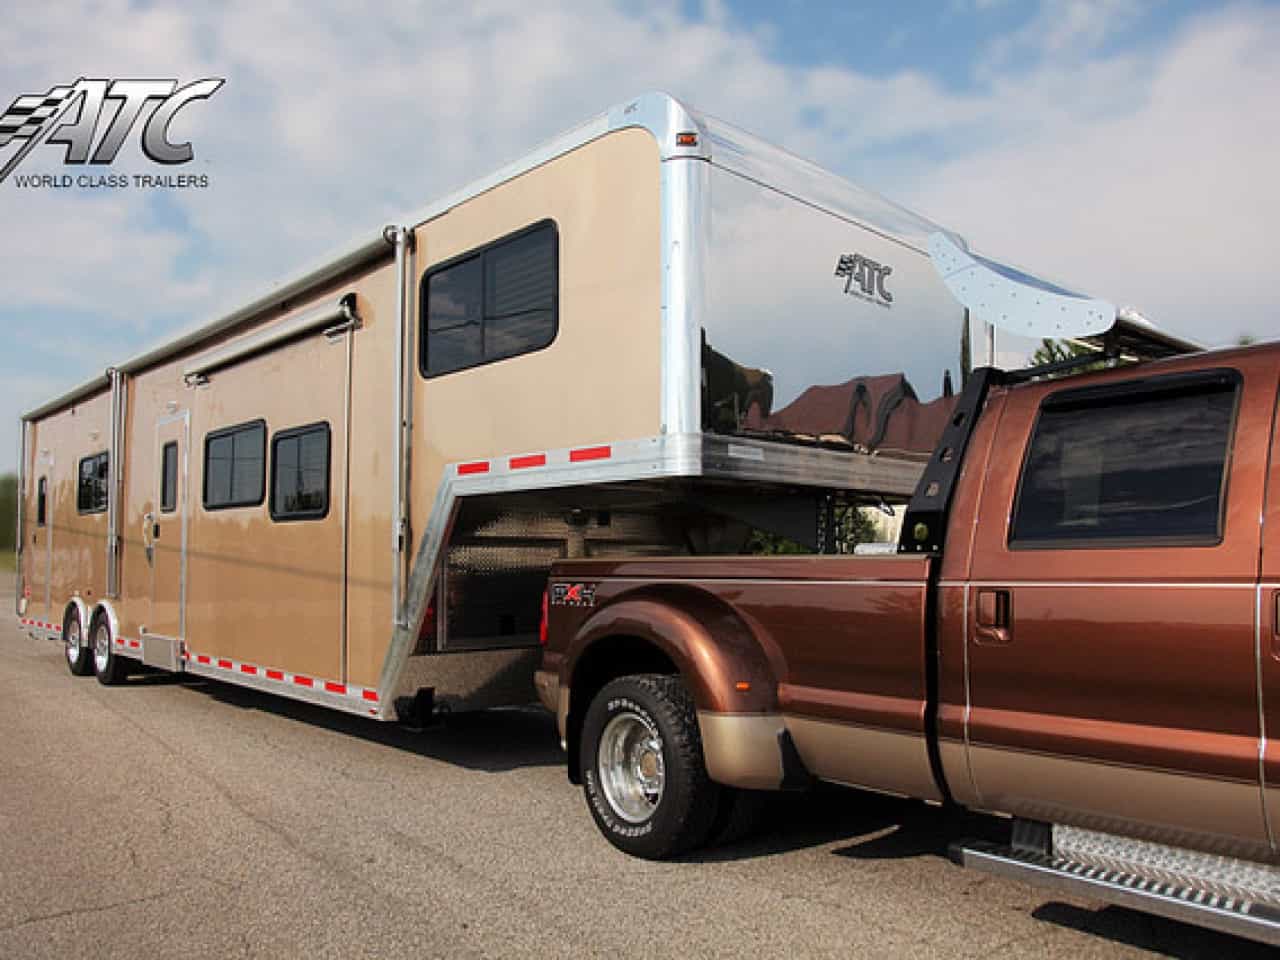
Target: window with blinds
{"type": "Point", "coordinates": [490, 304]}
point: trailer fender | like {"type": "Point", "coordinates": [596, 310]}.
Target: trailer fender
{"type": "Point", "coordinates": [729, 665]}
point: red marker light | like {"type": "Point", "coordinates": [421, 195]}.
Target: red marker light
{"type": "Point", "coordinates": [686, 139]}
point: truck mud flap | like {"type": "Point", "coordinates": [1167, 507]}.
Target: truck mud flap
{"type": "Point", "coordinates": [1183, 901]}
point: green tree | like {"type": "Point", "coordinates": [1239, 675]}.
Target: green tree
{"type": "Point", "coordinates": [1056, 351]}
{"type": "Point", "coordinates": [8, 510]}
{"type": "Point", "coordinates": [852, 526]}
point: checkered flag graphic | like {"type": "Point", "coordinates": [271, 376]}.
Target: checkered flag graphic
{"type": "Point", "coordinates": [28, 114]}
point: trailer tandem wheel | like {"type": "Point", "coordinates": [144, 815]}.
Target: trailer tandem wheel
{"type": "Point", "coordinates": [79, 662]}
{"type": "Point", "coordinates": [109, 668]}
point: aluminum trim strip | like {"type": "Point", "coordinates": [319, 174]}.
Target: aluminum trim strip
{"type": "Point", "coordinates": [1097, 584]}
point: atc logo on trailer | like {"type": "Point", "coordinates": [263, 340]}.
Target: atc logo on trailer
{"type": "Point", "coordinates": [91, 119]}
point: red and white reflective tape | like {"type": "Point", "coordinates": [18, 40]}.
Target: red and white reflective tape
{"type": "Point", "coordinates": [27, 622]}
{"type": "Point", "coordinates": [534, 461]}
{"type": "Point", "coordinates": [346, 693]}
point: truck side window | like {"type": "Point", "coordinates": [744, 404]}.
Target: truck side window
{"type": "Point", "coordinates": [300, 473]}
{"type": "Point", "coordinates": [1128, 464]}
{"type": "Point", "coordinates": [169, 477]}
{"type": "Point", "coordinates": [235, 460]}
{"type": "Point", "coordinates": [42, 500]}
{"type": "Point", "coordinates": [496, 302]}
{"type": "Point", "coordinates": [91, 491]}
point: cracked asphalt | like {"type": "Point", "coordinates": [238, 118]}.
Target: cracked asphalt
{"type": "Point", "coordinates": [177, 818]}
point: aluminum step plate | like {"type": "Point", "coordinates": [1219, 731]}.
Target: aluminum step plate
{"type": "Point", "coordinates": [1235, 915]}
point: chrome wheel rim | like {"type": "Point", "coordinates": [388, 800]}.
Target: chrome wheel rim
{"type": "Point", "coordinates": [101, 647]}
{"type": "Point", "coordinates": [632, 772]}
{"type": "Point", "coordinates": [72, 642]}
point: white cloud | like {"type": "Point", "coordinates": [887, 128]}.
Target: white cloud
{"type": "Point", "coordinates": [1067, 29]}
{"type": "Point", "coordinates": [1146, 176]}
{"type": "Point", "coordinates": [1169, 205]}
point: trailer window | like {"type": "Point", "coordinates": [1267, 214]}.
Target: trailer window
{"type": "Point", "coordinates": [91, 492]}
{"type": "Point", "coordinates": [42, 495]}
{"type": "Point", "coordinates": [491, 304]}
{"type": "Point", "coordinates": [300, 473]}
{"type": "Point", "coordinates": [169, 477]}
{"type": "Point", "coordinates": [1128, 467]}
{"type": "Point", "coordinates": [234, 466]}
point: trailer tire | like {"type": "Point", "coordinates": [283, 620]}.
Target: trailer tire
{"type": "Point", "coordinates": [79, 659]}
{"type": "Point", "coordinates": [642, 770]}
{"type": "Point", "coordinates": [107, 667]}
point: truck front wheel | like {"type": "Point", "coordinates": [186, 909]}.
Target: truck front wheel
{"type": "Point", "coordinates": [642, 769]}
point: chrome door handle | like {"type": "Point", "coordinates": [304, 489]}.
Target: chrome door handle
{"type": "Point", "coordinates": [995, 615]}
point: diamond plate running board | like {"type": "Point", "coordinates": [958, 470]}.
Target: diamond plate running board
{"type": "Point", "coordinates": [1242, 918]}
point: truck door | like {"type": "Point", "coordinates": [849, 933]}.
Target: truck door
{"type": "Point", "coordinates": [1111, 611]}
{"type": "Point", "coordinates": [164, 531]}
{"type": "Point", "coordinates": [1269, 643]}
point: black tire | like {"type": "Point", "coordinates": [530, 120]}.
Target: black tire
{"type": "Point", "coordinates": [742, 814]}
{"type": "Point", "coordinates": [107, 667]}
{"type": "Point", "coordinates": [680, 816]}
{"type": "Point", "coordinates": [74, 645]}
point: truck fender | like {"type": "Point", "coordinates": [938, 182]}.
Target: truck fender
{"type": "Point", "coordinates": [730, 668]}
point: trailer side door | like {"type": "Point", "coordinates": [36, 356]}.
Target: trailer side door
{"type": "Point", "coordinates": [165, 527]}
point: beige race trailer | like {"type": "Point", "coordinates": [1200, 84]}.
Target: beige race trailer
{"type": "Point", "coordinates": [654, 334]}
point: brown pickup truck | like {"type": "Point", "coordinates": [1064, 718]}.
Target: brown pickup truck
{"type": "Point", "coordinates": [1077, 630]}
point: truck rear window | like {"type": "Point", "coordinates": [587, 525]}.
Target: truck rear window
{"type": "Point", "coordinates": [1125, 466]}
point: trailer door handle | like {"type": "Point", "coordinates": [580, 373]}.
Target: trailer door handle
{"type": "Point", "coordinates": [994, 616]}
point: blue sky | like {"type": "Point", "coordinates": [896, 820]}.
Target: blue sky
{"type": "Point", "coordinates": [1125, 146]}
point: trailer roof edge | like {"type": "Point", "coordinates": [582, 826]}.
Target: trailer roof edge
{"type": "Point", "coordinates": [659, 113]}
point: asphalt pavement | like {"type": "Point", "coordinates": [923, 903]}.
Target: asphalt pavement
{"type": "Point", "coordinates": [172, 817]}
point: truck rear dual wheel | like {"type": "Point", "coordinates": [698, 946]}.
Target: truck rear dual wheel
{"type": "Point", "coordinates": [642, 768]}
{"type": "Point", "coordinates": [79, 659]}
